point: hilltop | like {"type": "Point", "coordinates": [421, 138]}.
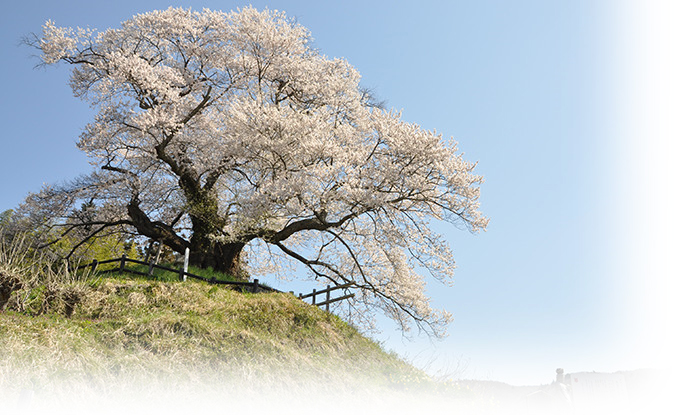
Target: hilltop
{"type": "Point", "coordinates": [122, 337]}
{"type": "Point", "coordinates": [84, 343]}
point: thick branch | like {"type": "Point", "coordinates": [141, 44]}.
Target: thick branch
{"type": "Point", "coordinates": [316, 224]}
{"type": "Point", "coordinates": [155, 229]}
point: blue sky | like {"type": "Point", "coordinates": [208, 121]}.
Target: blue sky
{"type": "Point", "coordinates": [532, 90]}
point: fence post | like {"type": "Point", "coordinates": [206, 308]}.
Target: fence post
{"type": "Point", "coordinates": [122, 262]}
{"type": "Point", "coordinates": [313, 297]}
{"type": "Point", "coordinates": [186, 264]}
{"type": "Point", "coordinates": [158, 252]}
{"type": "Point", "coordinates": [255, 287]}
{"type": "Point", "coordinates": [94, 264]}
{"type": "Point", "coordinates": [148, 250]}
{"type": "Point", "coordinates": [328, 297]}
{"type": "Point", "coordinates": [150, 269]}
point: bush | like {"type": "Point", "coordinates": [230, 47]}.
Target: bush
{"type": "Point", "coordinates": [33, 283]}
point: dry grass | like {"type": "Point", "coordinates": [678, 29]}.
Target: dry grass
{"type": "Point", "coordinates": [150, 335]}
{"type": "Point", "coordinates": [68, 339]}
{"type": "Point", "coordinates": [31, 282]}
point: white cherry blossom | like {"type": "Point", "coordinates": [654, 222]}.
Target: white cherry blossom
{"type": "Point", "coordinates": [229, 134]}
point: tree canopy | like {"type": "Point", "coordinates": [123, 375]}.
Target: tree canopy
{"type": "Point", "coordinates": [230, 135]}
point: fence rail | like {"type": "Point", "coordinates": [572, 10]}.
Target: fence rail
{"type": "Point", "coordinates": [327, 291]}
{"type": "Point", "coordinates": [251, 286]}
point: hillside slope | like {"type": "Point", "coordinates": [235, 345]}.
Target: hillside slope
{"type": "Point", "coordinates": [128, 338]}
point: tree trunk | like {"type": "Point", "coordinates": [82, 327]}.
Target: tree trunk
{"type": "Point", "coordinates": [204, 252]}
{"type": "Point", "coordinates": [221, 257]}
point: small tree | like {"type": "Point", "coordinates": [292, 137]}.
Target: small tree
{"type": "Point", "coordinates": [228, 134]}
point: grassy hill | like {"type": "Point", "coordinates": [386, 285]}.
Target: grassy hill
{"type": "Point", "coordinates": [130, 344]}
{"type": "Point", "coordinates": [124, 336]}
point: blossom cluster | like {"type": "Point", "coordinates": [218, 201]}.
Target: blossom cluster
{"type": "Point", "coordinates": [281, 144]}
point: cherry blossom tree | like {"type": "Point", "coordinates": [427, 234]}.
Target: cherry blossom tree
{"type": "Point", "coordinates": [228, 134]}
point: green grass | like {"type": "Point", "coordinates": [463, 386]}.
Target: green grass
{"type": "Point", "coordinates": [167, 276]}
{"type": "Point", "coordinates": [68, 334]}
{"type": "Point", "coordinates": [129, 328]}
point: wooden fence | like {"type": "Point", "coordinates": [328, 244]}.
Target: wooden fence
{"type": "Point", "coordinates": [253, 286]}
{"type": "Point", "coordinates": [327, 291]}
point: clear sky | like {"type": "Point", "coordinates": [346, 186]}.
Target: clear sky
{"type": "Point", "coordinates": [546, 95]}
